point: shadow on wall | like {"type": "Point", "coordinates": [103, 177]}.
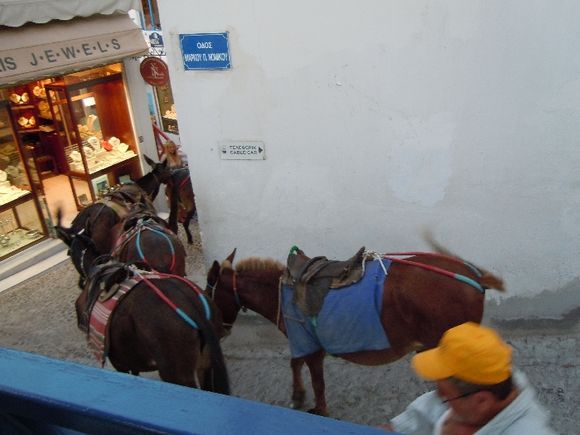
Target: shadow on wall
{"type": "Point", "coordinates": [557, 309]}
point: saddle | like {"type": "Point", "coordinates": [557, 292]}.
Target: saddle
{"type": "Point", "coordinates": [140, 212]}
{"type": "Point", "coordinates": [103, 284]}
{"type": "Point", "coordinates": [312, 278]}
{"type": "Point", "coordinates": [126, 195]}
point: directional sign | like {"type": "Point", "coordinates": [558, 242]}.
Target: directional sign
{"type": "Point", "coordinates": [205, 51]}
{"type": "Point", "coordinates": [242, 150]}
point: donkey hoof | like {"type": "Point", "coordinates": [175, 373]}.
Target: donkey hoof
{"type": "Point", "coordinates": [317, 411]}
{"type": "Point", "coordinates": [298, 399]}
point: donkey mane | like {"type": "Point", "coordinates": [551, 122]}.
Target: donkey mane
{"type": "Point", "coordinates": [255, 264]}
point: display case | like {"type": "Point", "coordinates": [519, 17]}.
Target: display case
{"type": "Point", "coordinates": [167, 109]}
{"type": "Point", "coordinates": [93, 126]}
{"type": "Point", "coordinates": [28, 107]}
{"type": "Point", "coordinates": [21, 222]}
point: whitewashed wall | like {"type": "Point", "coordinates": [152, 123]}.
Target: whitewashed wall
{"type": "Point", "coordinates": [382, 118]}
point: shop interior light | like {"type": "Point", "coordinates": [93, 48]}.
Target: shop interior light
{"type": "Point", "coordinates": [89, 101]}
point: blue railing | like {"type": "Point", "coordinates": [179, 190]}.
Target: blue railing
{"type": "Point", "coordinates": [45, 395]}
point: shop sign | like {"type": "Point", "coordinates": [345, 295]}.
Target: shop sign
{"type": "Point", "coordinates": [205, 51]}
{"type": "Point", "coordinates": [154, 71]}
{"type": "Point", "coordinates": [54, 48]}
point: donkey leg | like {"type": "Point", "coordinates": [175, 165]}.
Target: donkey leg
{"type": "Point", "coordinates": [173, 210]}
{"type": "Point", "coordinates": [298, 391]}
{"type": "Point", "coordinates": [315, 363]}
{"type": "Point", "coordinates": [186, 223]}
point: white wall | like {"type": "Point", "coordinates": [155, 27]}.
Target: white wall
{"type": "Point", "coordinates": [381, 118]}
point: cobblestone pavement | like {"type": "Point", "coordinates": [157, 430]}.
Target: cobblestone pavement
{"type": "Point", "coordinates": [38, 316]}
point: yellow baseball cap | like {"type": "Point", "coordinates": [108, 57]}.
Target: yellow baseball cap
{"type": "Point", "coordinates": [470, 352]}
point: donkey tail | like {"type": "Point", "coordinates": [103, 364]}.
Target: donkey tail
{"type": "Point", "coordinates": [216, 379]}
{"type": "Point", "coordinates": [487, 279]}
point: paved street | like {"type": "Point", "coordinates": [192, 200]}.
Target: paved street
{"type": "Point", "coordinates": [38, 316]}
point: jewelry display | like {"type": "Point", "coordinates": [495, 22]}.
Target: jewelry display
{"type": "Point", "coordinates": [100, 154]}
{"type": "Point", "coordinates": [89, 152]}
{"type": "Point", "coordinates": [114, 141]}
{"type": "Point", "coordinates": [95, 143]}
{"type": "Point", "coordinates": [9, 192]}
{"type": "Point", "coordinates": [21, 221]}
{"type": "Point", "coordinates": [44, 110]}
{"type": "Point", "coordinates": [4, 237]}
{"type": "Point", "coordinates": [17, 239]}
{"type": "Point", "coordinates": [75, 156]}
{"type": "Point", "coordinates": [39, 92]}
{"type": "Point", "coordinates": [22, 98]}
{"type": "Point", "coordinates": [15, 174]}
{"type": "Point", "coordinates": [171, 114]}
{"type": "Point", "coordinates": [27, 120]}
{"type": "Point", "coordinates": [91, 119]}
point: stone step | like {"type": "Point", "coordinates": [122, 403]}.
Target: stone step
{"type": "Point", "coordinates": [31, 262]}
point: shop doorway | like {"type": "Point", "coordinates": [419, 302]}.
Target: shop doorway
{"type": "Point", "coordinates": [46, 168]}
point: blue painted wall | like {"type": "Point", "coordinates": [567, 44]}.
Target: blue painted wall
{"type": "Point", "coordinates": [54, 396]}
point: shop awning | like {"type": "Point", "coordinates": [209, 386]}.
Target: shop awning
{"type": "Point", "coordinates": [15, 13]}
{"type": "Point", "coordinates": [59, 47]}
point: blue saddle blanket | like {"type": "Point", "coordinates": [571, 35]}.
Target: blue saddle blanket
{"type": "Point", "coordinates": [349, 320]}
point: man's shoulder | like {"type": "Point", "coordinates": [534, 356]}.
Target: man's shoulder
{"type": "Point", "coordinates": [525, 415]}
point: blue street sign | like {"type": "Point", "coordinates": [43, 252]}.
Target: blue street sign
{"type": "Point", "coordinates": [205, 51]}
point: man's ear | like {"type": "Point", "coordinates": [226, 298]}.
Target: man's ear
{"type": "Point", "coordinates": [485, 399]}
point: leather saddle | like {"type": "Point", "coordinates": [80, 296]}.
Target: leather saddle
{"type": "Point", "coordinates": [312, 278]}
{"type": "Point", "coordinates": [122, 198]}
{"type": "Point", "coordinates": [140, 212]}
{"type": "Point", "coordinates": [103, 284]}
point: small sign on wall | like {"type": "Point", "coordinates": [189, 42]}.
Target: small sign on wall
{"type": "Point", "coordinates": [205, 51]}
{"type": "Point", "coordinates": [242, 150]}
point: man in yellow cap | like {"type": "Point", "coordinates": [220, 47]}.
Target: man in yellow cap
{"type": "Point", "coordinates": [477, 391]}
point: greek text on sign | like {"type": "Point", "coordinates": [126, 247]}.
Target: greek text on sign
{"type": "Point", "coordinates": [242, 150]}
{"type": "Point", "coordinates": [205, 51]}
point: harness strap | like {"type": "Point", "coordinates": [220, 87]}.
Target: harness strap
{"type": "Point", "coordinates": [165, 299]}
{"type": "Point", "coordinates": [456, 276]}
{"type": "Point", "coordinates": [473, 268]}
{"type": "Point", "coordinates": [135, 232]}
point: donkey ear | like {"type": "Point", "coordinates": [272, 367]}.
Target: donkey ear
{"type": "Point", "coordinates": [64, 234]}
{"type": "Point", "coordinates": [149, 161]}
{"type": "Point", "coordinates": [230, 257]}
{"type": "Point", "coordinates": [213, 271]}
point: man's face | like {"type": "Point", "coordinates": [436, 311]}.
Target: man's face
{"type": "Point", "coordinates": [466, 408]}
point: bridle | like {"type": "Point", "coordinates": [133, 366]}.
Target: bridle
{"type": "Point", "coordinates": [239, 304]}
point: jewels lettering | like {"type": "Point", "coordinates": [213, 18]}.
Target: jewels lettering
{"type": "Point", "coordinates": [101, 48]}
{"type": "Point", "coordinates": [7, 64]}
{"type": "Point", "coordinates": [87, 49]}
{"type": "Point", "coordinates": [68, 52]}
{"type": "Point", "coordinates": [34, 60]}
{"type": "Point", "coordinates": [50, 56]}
